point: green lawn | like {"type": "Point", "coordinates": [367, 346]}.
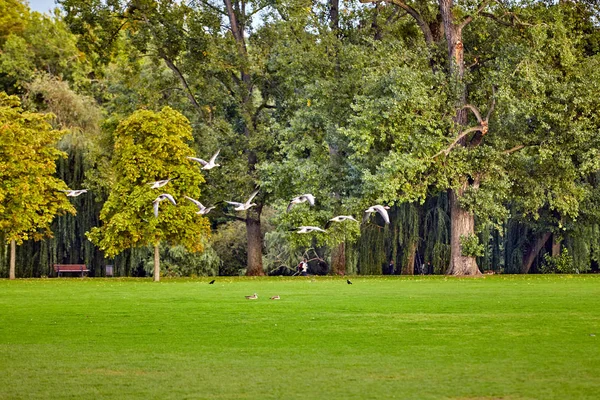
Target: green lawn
{"type": "Point", "coordinates": [524, 337]}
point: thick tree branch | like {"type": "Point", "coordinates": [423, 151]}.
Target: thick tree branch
{"type": "Point", "coordinates": [182, 79]}
{"type": "Point", "coordinates": [514, 20]}
{"type": "Point", "coordinates": [467, 20]}
{"type": "Point", "coordinates": [516, 148]}
{"type": "Point", "coordinates": [413, 13]}
{"type": "Point", "coordinates": [174, 68]}
{"type": "Point", "coordinates": [475, 111]}
{"type": "Point", "coordinates": [213, 7]}
{"type": "Point", "coordinates": [464, 133]}
{"type": "Point", "coordinates": [258, 110]}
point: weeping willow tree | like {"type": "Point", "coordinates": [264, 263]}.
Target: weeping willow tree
{"type": "Point", "coordinates": [371, 249]}
{"type": "Point", "coordinates": [30, 196]}
{"type": "Point", "coordinates": [80, 117]}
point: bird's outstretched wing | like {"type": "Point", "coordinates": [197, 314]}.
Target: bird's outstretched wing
{"type": "Point", "coordinates": [214, 157]}
{"type": "Point", "coordinates": [383, 212]}
{"type": "Point", "coordinates": [235, 203]}
{"type": "Point", "coordinates": [289, 207]}
{"type": "Point", "coordinates": [310, 198]}
{"type": "Point", "coordinates": [196, 202]}
{"type": "Point", "coordinates": [155, 204]}
{"type": "Point", "coordinates": [166, 196]}
{"type": "Point", "coordinates": [198, 160]}
{"type": "Point", "coordinates": [252, 196]}
{"type": "Point", "coordinates": [366, 217]}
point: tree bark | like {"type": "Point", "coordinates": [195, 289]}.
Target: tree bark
{"type": "Point", "coordinates": [409, 267]}
{"type": "Point", "coordinates": [13, 257]}
{"type": "Point", "coordinates": [556, 240]}
{"type": "Point", "coordinates": [156, 262]}
{"type": "Point", "coordinates": [334, 14]}
{"type": "Point", "coordinates": [533, 251]}
{"type": "Point", "coordinates": [255, 243]}
{"type": "Point", "coordinates": [338, 259]}
{"type": "Point", "coordinates": [462, 223]}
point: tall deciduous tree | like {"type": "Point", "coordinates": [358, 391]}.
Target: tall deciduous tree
{"type": "Point", "coordinates": [30, 196]}
{"type": "Point", "coordinates": [219, 62]}
{"type": "Point", "coordinates": [493, 56]}
{"type": "Point", "coordinates": [151, 146]}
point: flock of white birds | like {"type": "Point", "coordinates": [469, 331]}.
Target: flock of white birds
{"type": "Point", "coordinates": [202, 210]}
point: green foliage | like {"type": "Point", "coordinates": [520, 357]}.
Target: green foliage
{"type": "Point", "coordinates": [561, 264]}
{"type": "Point", "coordinates": [470, 246]}
{"type": "Point", "coordinates": [230, 243]}
{"type": "Point", "coordinates": [176, 261]}
{"type": "Point", "coordinates": [30, 196]}
{"type": "Point", "coordinates": [38, 42]}
{"type": "Point", "coordinates": [150, 146]}
{"type": "Point", "coordinates": [13, 16]}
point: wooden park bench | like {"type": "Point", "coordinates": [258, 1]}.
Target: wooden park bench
{"type": "Point", "coordinates": [79, 268]}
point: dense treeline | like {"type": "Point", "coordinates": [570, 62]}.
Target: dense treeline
{"type": "Point", "coordinates": [476, 122]}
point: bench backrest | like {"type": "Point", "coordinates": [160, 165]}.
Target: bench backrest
{"type": "Point", "coordinates": [70, 267]}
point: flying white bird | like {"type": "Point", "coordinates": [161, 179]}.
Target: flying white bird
{"type": "Point", "coordinates": [244, 206]}
{"type": "Point", "coordinates": [252, 297]}
{"type": "Point", "coordinates": [207, 165]}
{"type": "Point", "coordinates": [160, 198]}
{"type": "Point", "coordinates": [301, 199]}
{"type": "Point", "coordinates": [74, 193]}
{"type": "Point", "coordinates": [201, 209]}
{"type": "Point", "coordinates": [309, 229]}
{"type": "Point", "coordinates": [340, 218]}
{"type": "Point", "coordinates": [158, 184]}
{"type": "Point", "coordinates": [382, 210]}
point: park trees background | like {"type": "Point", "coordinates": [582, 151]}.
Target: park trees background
{"type": "Point", "coordinates": [475, 121]}
{"type": "Point", "coordinates": [150, 147]}
{"type": "Point", "coordinates": [30, 196]}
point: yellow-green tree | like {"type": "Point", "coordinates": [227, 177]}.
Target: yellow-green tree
{"type": "Point", "coordinates": [30, 196]}
{"type": "Point", "coordinates": [151, 146]}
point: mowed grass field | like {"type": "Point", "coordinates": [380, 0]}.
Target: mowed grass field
{"type": "Point", "coordinates": [498, 337]}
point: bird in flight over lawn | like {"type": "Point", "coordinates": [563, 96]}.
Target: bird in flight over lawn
{"type": "Point", "coordinates": [244, 206]}
{"type": "Point", "coordinates": [164, 196]}
{"type": "Point", "coordinates": [382, 210]}
{"type": "Point", "coordinates": [159, 184]}
{"type": "Point", "coordinates": [211, 282]}
{"type": "Point", "coordinates": [74, 193]}
{"type": "Point", "coordinates": [253, 297]}
{"type": "Point", "coordinates": [301, 199]}
{"type": "Point", "coordinates": [340, 218]}
{"type": "Point", "coordinates": [210, 164]}
{"type": "Point", "coordinates": [201, 209]}
{"type": "Point", "coordinates": [309, 229]}
{"type": "Point", "coordinates": [348, 282]}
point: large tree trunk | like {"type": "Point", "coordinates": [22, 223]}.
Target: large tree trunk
{"type": "Point", "coordinates": [13, 258]}
{"type": "Point", "coordinates": [334, 14]}
{"type": "Point", "coordinates": [409, 267]}
{"type": "Point", "coordinates": [255, 242]}
{"type": "Point", "coordinates": [462, 223]}
{"type": "Point", "coordinates": [338, 259]}
{"type": "Point", "coordinates": [556, 240]}
{"type": "Point", "coordinates": [156, 262]}
{"type": "Point", "coordinates": [533, 251]}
